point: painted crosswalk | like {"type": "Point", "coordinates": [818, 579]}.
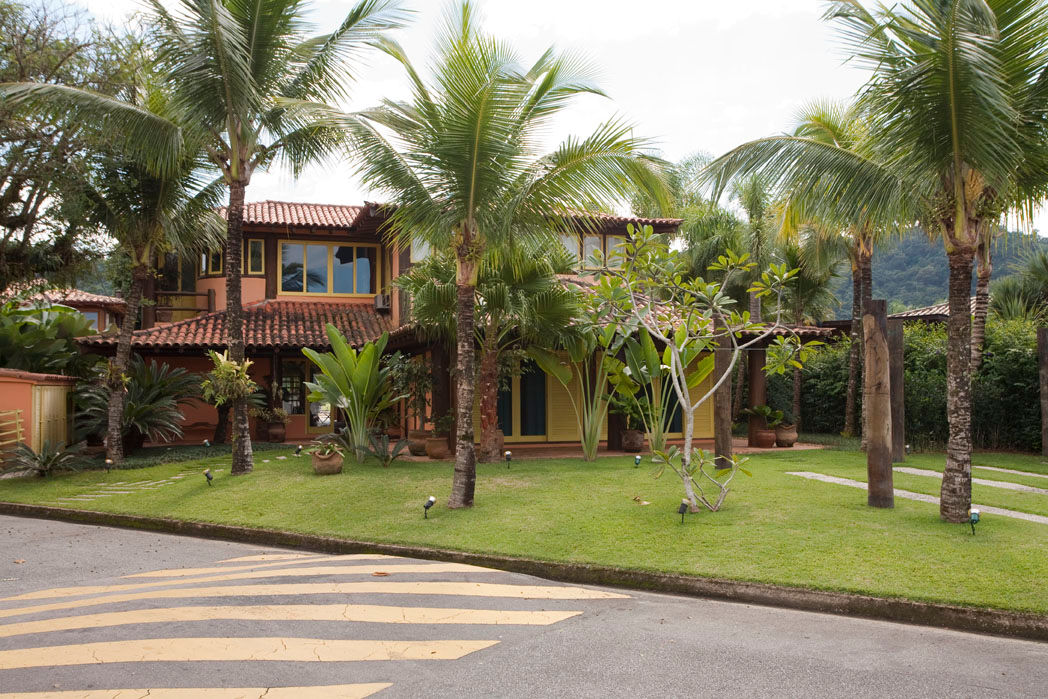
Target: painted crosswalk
{"type": "Point", "coordinates": [272, 610]}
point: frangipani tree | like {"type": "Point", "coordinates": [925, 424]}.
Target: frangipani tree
{"type": "Point", "coordinates": [644, 288]}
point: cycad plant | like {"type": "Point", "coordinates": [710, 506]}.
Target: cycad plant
{"type": "Point", "coordinates": [354, 382]}
{"type": "Point", "coordinates": [462, 159]}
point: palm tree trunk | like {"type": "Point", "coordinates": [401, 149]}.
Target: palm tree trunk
{"type": "Point", "coordinates": [464, 481]}
{"type": "Point", "coordinates": [242, 457]}
{"type": "Point", "coordinates": [956, 494]}
{"type": "Point", "coordinates": [853, 353]}
{"type": "Point", "coordinates": [488, 387]}
{"type": "Point", "coordinates": [866, 271]}
{"type": "Point", "coordinates": [115, 423]}
{"type": "Point", "coordinates": [982, 302]}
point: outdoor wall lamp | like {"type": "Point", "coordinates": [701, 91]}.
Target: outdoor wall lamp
{"type": "Point", "coordinates": [509, 457]}
{"type": "Point", "coordinates": [426, 505]}
{"type": "Point", "coordinates": [683, 509]}
{"type": "Point", "coordinates": [973, 518]}
{"type": "Point", "coordinates": [636, 461]}
{"type": "Point", "coordinates": [208, 476]}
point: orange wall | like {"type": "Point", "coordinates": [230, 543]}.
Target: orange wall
{"type": "Point", "coordinates": [252, 290]}
{"type": "Point", "coordinates": [16, 393]}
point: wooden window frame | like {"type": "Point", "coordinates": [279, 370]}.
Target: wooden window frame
{"type": "Point", "coordinates": [245, 261]}
{"type": "Point", "coordinates": [330, 268]}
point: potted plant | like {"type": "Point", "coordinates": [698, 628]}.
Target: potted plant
{"type": "Point", "coordinates": [764, 437]}
{"type": "Point", "coordinates": [437, 444]}
{"type": "Point", "coordinates": [785, 432]}
{"type": "Point", "coordinates": [412, 378]}
{"type": "Point", "coordinates": [633, 433]}
{"type": "Point", "coordinates": [327, 458]}
{"type": "Point", "coordinates": [275, 421]}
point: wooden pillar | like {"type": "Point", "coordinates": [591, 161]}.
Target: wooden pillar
{"type": "Point", "coordinates": [1042, 356]}
{"type": "Point", "coordinates": [877, 395]}
{"type": "Point", "coordinates": [758, 392]}
{"type": "Point", "coordinates": [898, 391]}
{"type": "Point", "coordinates": [722, 407]}
{"type": "Point", "coordinates": [441, 403]}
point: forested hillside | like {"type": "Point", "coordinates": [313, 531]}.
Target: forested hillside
{"type": "Point", "coordinates": [912, 271]}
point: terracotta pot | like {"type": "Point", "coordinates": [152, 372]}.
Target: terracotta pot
{"type": "Point", "coordinates": [437, 447]}
{"type": "Point", "coordinates": [417, 442]}
{"type": "Point", "coordinates": [276, 431]}
{"type": "Point", "coordinates": [786, 435]}
{"type": "Point", "coordinates": [632, 441]}
{"type": "Point", "coordinates": [394, 432]}
{"type": "Point", "coordinates": [764, 439]}
{"type": "Point", "coordinates": [327, 465]}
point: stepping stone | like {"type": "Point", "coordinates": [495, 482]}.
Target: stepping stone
{"type": "Point", "coordinates": [981, 481]}
{"type": "Point", "coordinates": [281, 458]}
{"type": "Point", "coordinates": [921, 497]}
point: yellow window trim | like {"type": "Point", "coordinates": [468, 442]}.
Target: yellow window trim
{"type": "Point", "coordinates": [330, 268]}
{"type": "Point", "coordinates": [245, 261]}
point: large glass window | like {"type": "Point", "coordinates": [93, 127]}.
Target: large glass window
{"type": "Point", "coordinates": [176, 273]}
{"type": "Point", "coordinates": [93, 318]}
{"type": "Point", "coordinates": [532, 400]}
{"type": "Point", "coordinates": [570, 241]}
{"type": "Point", "coordinates": [590, 245]}
{"type": "Point", "coordinates": [328, 268]}
{"type": "Point", "coordinates": [292, 387]}
{"type": "Point", "coordinates": [316, 269]}
{"type": "Point", "coordinates": [291, 258]}
{"type": "Point", "coordinates": [420, 250]}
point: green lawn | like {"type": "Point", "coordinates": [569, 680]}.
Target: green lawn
{"type": "Point", "coordinates": [774, 527]}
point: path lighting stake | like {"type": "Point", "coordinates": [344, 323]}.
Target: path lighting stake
{"type": "Point", "coordinates": [298, 450]}
{"type": "Point", "coordinates": [208, 476]}
{"type": "Point", "coordinates": [973, 518]}
{"type": "Point", "coordinates": [109, 464]}
{"type": "Point", "coordinates": [636, 461]}
{"type": "Point", "coordinates": [426, 505]}
{"type": "Point", "coordinates": [207, 443]}
{"type": "Point", "coordinates": [683, 509]}
{"type": "Point", "coordinates": [509, 457]}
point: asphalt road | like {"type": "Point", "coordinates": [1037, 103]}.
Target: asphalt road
{"type": "Point", "coordinates": [200, 618]}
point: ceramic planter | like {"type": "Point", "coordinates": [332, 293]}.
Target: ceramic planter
{"type": "Point", "coordinates": [437, 448]}
{"type": "Point", "coordinates": [276, 431]}
{"type": "Point", "coordinates": [417, 442]}
{"type": "Point", "coordinates": [764, 439]}
{"type": "Point", "coordinates": [632, 441]}
{"type": "Point", "coordinates": [786, 435]}
{"type": "Point", "coordinates": [327, 465]}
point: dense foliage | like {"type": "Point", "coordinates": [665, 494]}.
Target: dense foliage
{"type": "Point", "coordinates": [1005, 396]}
{"type": "Point", "coordinates": [39, 337]}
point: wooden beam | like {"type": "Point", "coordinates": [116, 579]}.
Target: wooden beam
{"type": "Point", "coordinates": [877, 396]}
{"type": "Point", "coordinates": [898, 390]}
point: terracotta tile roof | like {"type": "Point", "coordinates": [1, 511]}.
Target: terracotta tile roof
{"type": "Point", "coordinates": [68, 297]}
{"type": "Point", "coordinates": [267, 325]}
{"type": "Point", "coordinates": [292, 213]}
{"type": "Point", "coordinates": [636, 220]}
{"type": "Point", "coordinates": [939, 311]}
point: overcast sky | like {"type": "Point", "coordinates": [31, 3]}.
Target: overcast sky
{"type": "Point", "coordinates": [693, 75]}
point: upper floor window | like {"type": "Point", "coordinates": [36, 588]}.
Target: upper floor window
{"type": "Point", "coordinates": [254, 259]}
{"type": "Point", "coordinates": [583, 246]}
{"type": "Point", "coordinates": [328, 268]}
{"type": "Point", "coordinates": [211, 262]}
{"type": "Point", "coordinates": [176, 273]}
{"type": "Point", "coordinates": [419, 250]}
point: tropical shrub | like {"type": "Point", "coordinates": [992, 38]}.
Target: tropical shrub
{"type": "Point", "coordinates": [39, 337]}
{"type": "Point", "coordinates": [152, 405]}
{"type": "Point", "coordinates": [357, 383]}
{"type": "Point", "coordinates": [50, 459]}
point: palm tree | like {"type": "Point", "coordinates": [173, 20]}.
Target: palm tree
{"type": "Point", "coordinates": [756, 198]}
{"type": "Point", "coordinates": [254, 86]}
{"type": "Point", "coordinates": [954, 107]}
{"type": "Point", "coordinates": [520, 301]}
{"type": "Point", "coordinates": [809, 296]}
{"type": "Point", "coordinates": [148, 214]}
{"type": "Point", "coordinates": [462, 160]}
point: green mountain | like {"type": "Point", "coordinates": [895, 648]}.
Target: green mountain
{"type": "Point", "coordinates": [911, 272]}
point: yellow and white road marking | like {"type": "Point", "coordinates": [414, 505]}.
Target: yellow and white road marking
{"type": "Point", "coordinates": [236, 649]}
{"type": "Point", "coordinates": [425, 568]}
{"type": "Point", "coordinates": [366, 613]}
{"type": "Point", "coordinates": [338, 691]}
{"type": "Point", "coordinates": [263, 557]}
{"type": "Point", "coordinates": [186, 572]}
{"type": "Point", "coordinates": [465, 589]}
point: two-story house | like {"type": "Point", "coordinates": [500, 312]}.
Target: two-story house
{"type": "Point", "coordinates": [306, 265]}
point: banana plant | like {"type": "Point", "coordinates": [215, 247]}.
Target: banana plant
{"type": "Point", "coordinates": [355, 382]}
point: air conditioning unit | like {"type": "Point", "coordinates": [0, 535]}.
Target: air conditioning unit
{"type": "Point", "coordinates": [382, 302]}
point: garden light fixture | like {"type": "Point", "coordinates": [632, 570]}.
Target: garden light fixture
{"type": "Point", "coordinates": [208, 476]}
{"type": "Point", "coordinates": [109, 465]}
{"type": "Point", "coordinates": [973, 518]}
{"type": "Point", "coordinates": [509, 457]}
{"type": "Point", "coordinates": [207, 443]}
{"type": "Point", "coordinates": [426, 505]}
{"type": "Point", "coordinates": [683, 509]}
{"type": "Point", "coordinates": [636, 461]}
{"type": "Point", "coordinates": [298, 450]}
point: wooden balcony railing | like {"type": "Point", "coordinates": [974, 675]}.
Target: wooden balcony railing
{"type": "Point", "coordinates": [149, 313]}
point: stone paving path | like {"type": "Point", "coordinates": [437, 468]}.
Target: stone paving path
{"type": "Point", "coordinates": [1013, 471]}
{"type": "Point", "coordinates": [981, 481]}
{"type": "Point", "coordinates": [108, 490]}
{"type": "Point", "coordinates": [921, 497]}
